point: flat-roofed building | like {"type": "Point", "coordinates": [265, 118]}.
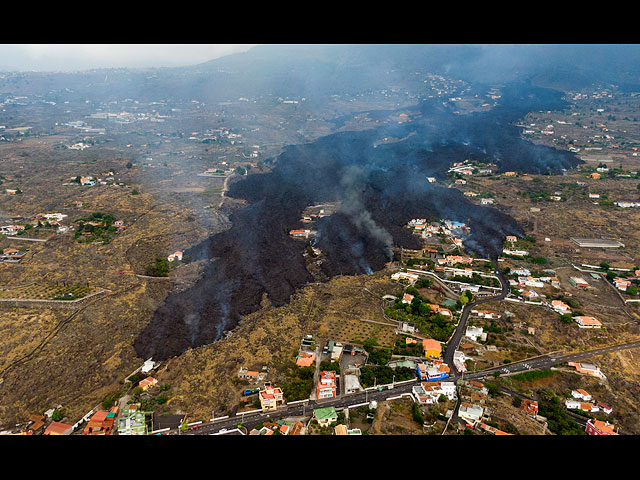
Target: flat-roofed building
{"type": "Point", "coordinates": [596, 243]}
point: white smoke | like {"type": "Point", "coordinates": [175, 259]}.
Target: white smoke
{"type": "Point", "coordinates": [353, 181]}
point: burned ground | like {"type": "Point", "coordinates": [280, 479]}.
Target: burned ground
{"type": "Point", "coordinates": [380, 187]}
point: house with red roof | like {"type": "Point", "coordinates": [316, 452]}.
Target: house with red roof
{"type": "Point", "coordinates": [58, 428]}
{"type": "Point", "coordinates": [101, 423]}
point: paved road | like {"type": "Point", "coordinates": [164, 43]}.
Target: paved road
{"type": "Point", "coordinates": [300, 410]}
{"type": "Point", "coordinates": [544, 362]}
{"type": "Point", "coordinates": [452, 346]}
{"type": "Point", "coordinates": [304, 409]}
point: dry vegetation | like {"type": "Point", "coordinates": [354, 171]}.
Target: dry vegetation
{"type": "Point", "coordinates": [205, 379]}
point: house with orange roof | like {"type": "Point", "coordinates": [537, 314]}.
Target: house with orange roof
{"type": "Point", "coordinates": [341, 429]}
{"type": "Point", "coordinates": [587, 368]}
{"type": "Point", "coordinates": [58, 428]}
{"type": "Point", "coordinates": [605, 408]}
{"type": "Point", "coordinates": [438, 309]}
{"type": "Point", "coordinates": [621, 284]}
{"type": "Point", "coordinates": [581, 394]}
{"type": "Point", "coordinates": [587, 322]}
{"type": "Point", "coordinates": [494, 430]}
{"type": "Point", "coordinates": [479, 386]}
{"type": "Point", "coordinates": [589, 407]}
{"type": "Point", "coordinates": [251, 375]}
{"type": "Point", "coordinates": [299, 233]}
{"type": "Point", "coordinates": [431, 347]}
{"type": "Point", "coordinates": [598, 427]}
{"type": "Point", "coordinates": [297, 428]}
{"type": "Point", "coordinates": [453, 259]}
{"type": "Point", "coordinates": [101, 423]}
{"type": "Point", "coordinates": [406, 298]}
{"type": "Point", "coordinates": [305, 359]}
{"type": "Point", "coordinates": [175, 256]}
{"type": "Point", "coordinates": [285, 429]}
{"type": "Point", "coordinates": [148, 382]}
{"type": "Point", "coordinates": [560, 307]}
{"type": "Point", "coordinates": [36, 422]}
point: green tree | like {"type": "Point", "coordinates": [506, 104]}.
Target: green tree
{"type": "Point", "coordinates": [417, 414]}
{"type": "Point", "coordinates": [56, 416]}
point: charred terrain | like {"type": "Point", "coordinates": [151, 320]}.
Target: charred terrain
{"type": "Point", "coordinates": [380, 187]}
{"type": "Point", "coordinates": [220, 161]}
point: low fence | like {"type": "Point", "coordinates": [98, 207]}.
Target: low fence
{"type": "Point", "coordinates": [32, 302]}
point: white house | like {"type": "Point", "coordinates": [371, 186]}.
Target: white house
{"type": "Point", "coordinates": [175, 256]}
{"type": "Point", "coordinates": [517, 253]}
{"type": "Point", "coordinates": [147, 366]}
{"type": "Point", "coordinates": [581, 394]}
{"type": "Point", "coordinates": [530, 282]}
{"type": "Point", "coordinates": [572, 404]}
{"type": "Point", "coordinates": [407, 298]}
{"type": "Point", "coordinates": [560, 307]}
{"type": "Point", "coordinates": [412, 278]}
{"type": "Point", "coordinates": [470, 413]}
{"type": "Point", "coordinates": [587, 322]}
{"type": "Point", "coordinates": [476, 333]}
{"type": "Point", "coordinates": [459, 359]}
{"type": "Point", "coordinates": [352, 384]}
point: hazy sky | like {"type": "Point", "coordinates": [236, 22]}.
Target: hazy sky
{"type": "Point", "coordinates": [49, 57]}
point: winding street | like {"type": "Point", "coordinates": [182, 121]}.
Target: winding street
{"type": "Point", "coordinates": [452, 346]}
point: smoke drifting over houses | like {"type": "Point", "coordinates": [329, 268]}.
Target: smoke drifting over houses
{"type": "Point", "coordinates": [381, 186]}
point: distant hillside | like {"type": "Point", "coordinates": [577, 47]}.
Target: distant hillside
{"type": "Point", "coordinates": [315, 71]}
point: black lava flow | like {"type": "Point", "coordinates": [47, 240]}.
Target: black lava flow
{"type": "Point", "coordinates": [381, 186]}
